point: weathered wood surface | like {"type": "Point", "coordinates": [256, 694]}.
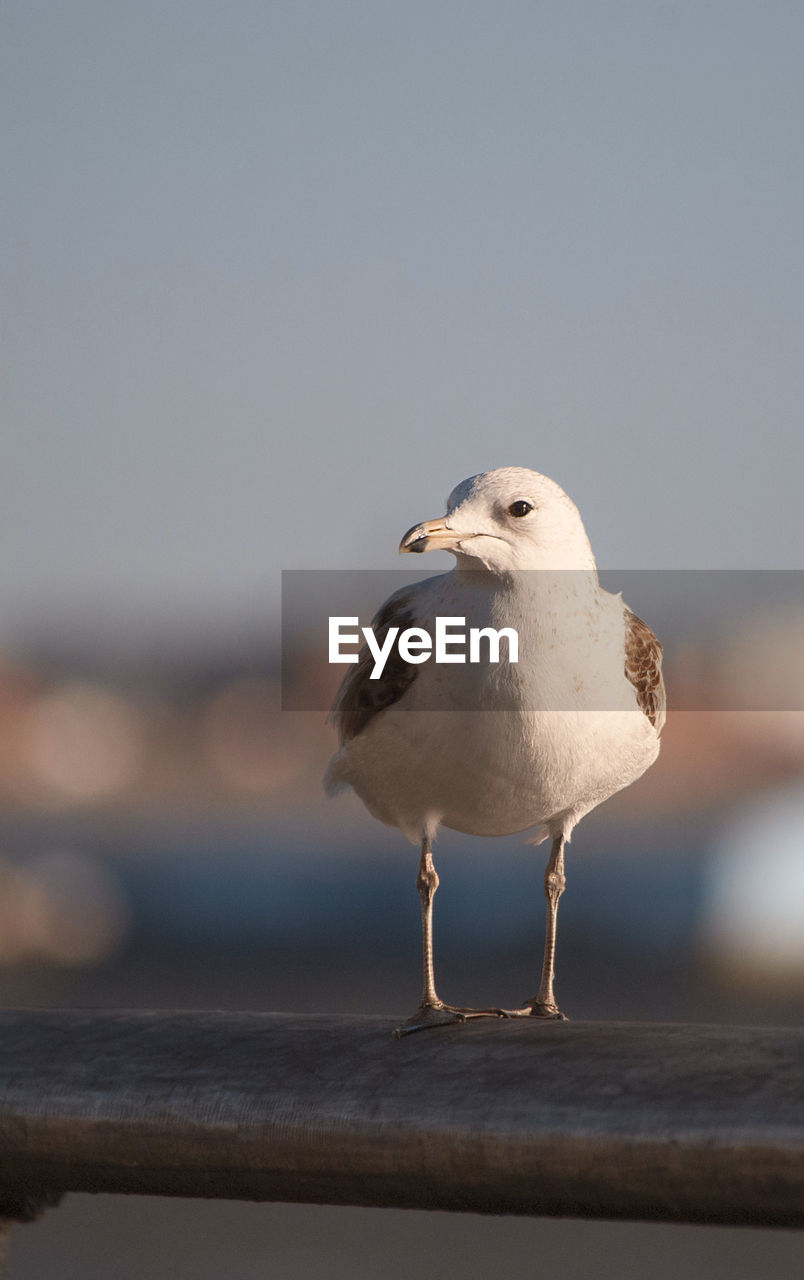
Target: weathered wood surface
{"type": "Point", "coordinates": [663, 1122]}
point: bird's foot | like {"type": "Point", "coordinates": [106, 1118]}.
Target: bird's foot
{"type": "Point", "coordinates": [539, 1009]}
{"type": "Point", "coordinates": [443, 1015]}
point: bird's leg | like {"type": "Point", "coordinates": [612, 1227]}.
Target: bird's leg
{"type": "Point", "coordinates": [544, 1004]}
{"type": "Point", "coordinates": [432, 1011]}
{"type": "Point", "coordinates": [427, 882]}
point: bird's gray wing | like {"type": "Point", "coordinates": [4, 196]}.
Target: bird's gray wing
{"type": "Point", "coordinates": [360, 698]}
{"type": "Point", "coordinates": [643, 667]}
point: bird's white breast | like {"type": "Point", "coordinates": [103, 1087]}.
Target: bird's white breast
{"type": "Point", "coordinates": [491, 750]}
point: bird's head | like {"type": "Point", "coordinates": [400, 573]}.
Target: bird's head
{"type": "Point", "coordinates": [507, 519]}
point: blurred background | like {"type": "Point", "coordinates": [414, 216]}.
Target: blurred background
{"type": "Point", "coordinates": [275, 277]}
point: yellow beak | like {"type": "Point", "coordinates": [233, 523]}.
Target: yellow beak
{"type": "Point", "coordinates": [432, 535]}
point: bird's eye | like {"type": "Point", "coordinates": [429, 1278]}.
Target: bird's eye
{"type": "Point", "coordinates": [520, 508]}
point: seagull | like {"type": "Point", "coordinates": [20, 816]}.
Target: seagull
{"type": "Point", "coordinates": [492, 748]}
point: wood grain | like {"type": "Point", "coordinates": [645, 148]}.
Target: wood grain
{"type": "Point", "coordinates": [620, 1120]}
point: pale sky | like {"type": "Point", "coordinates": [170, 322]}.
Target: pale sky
{"type": "Point", "coordinates": [276, 276]}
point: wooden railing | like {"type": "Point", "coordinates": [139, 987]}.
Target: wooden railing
{"type": "Point", "coordinates": [616, 1120]}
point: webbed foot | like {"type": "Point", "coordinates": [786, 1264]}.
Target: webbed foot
{"type": "Point", "coordinates": [443, 1015]}
{"type": "Point", "coordinates": [538, 1009]}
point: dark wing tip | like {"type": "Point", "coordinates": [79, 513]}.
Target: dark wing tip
{"type": "Point", "coordinates": [643, 667]}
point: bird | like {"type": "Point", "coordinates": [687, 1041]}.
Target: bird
{"type": "Point", "coordinates": [494, 748]}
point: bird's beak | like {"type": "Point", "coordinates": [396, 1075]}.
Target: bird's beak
{"type": "Point", "coordinates": [432, 535]}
